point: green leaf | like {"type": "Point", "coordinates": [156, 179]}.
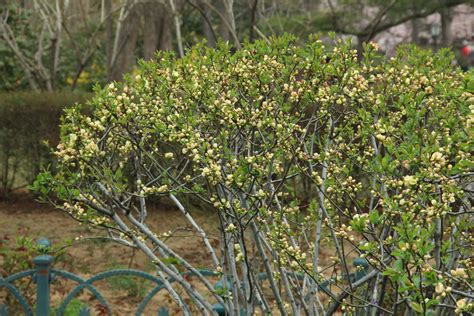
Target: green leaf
{"type": "Point", "coordinates": [416, 307]}
{"type": "Point", "coordinates": [374, 217]}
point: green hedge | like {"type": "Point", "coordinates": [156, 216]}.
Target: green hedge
{"type": "Point", "coordinates": [27, 121]}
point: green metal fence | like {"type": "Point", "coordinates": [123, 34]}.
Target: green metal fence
{"type": "Point", "coordinates": [43, 275]}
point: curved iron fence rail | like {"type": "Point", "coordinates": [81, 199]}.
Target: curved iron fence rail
{"type": "Point", "coordinates": [43, 275]}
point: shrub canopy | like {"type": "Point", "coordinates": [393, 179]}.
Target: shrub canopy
{"type": "Point", "coordinates": [301, 151]}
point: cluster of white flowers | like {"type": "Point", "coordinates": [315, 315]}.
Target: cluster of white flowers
{"type": "Point", "coordinates": [239, 255]}
{"type": "Point", "coordinates": [150, 190]}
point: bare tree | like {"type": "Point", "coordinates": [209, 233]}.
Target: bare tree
{"type": "Point", "coordinates": [388, 14]}
{"type": "Point", "coordinates": [41, 74]}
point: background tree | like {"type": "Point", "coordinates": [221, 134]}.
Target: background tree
{"type": "Point", "coordinates": [110, 36]}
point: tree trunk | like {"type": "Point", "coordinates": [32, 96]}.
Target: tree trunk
{"type": "Point", "coordinates": [446, 21]}
{"type": "Point", "coordinates": [415, 31]}
{"type": "Point", "coordinates": [165, 28]}
{"type": "Point", "coordinates": [223, 25]}
{"type": "Point", "coordinates": [253, 19]}
{"type": "Point", "coordinates": [151, 17]}
{"type": "Point", "coordinates": [173, 6]}
{"type": "Point", "coordinates": [228, 28]}
{"type": "Point", "coordinates": [157, 29]}
{"type": "Point", "coordinates": [207, 29]}
{"type": "Point", "coordinates": [125, 54]}
{"type": "Point", "coordinates": [360, 44]}
{"type": "Point", "coordinates": [109, 33]}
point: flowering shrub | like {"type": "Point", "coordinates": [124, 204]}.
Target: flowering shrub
{"type": "Point", "coordinates": [381, 149]}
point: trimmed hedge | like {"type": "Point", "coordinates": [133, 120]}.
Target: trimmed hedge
{"type": "Point", "coordinates": [28, 120]}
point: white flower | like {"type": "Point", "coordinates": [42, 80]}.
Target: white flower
{"type": "Point", "coordinates": [459, 272]}
{"type": "Point", "coordinates": [439, 288]}
{"type": "Point", "coordinates": [206, 171]}
{"type": "Point", "coordinates": [239, 257]}
{"type": "Point", "coordinates": [294, 264]}
{"type": "Point", "coordinates": [162, 189]}
{"type": "Point", "coordinates": [72, 139]}
{"type": "Point", "coordinates": [409, 180]}
{"type": "Point", "coordinates": [230, 228]}
{"type": "Point", "coordinates": [460, 305]}
{"type": "Point", "coordinates": [91, 146]}
{"type": "Point", "coordinates": [436, 156]}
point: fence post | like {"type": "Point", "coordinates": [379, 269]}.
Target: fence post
{"type": "Point", "coordinates": [362, 267]}
{"type": "Point", "coordinates": [43, 277]}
